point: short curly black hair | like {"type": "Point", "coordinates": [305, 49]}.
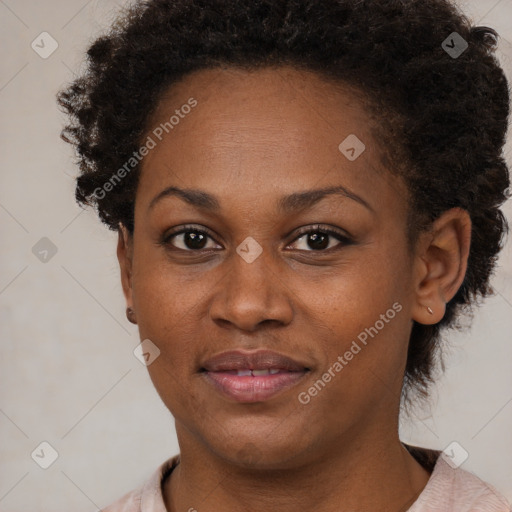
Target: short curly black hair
{"type": "Point", "coordinates": [442, 116]}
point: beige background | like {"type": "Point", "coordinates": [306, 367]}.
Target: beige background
{"type": "Point", "coordinates": [68, 374]}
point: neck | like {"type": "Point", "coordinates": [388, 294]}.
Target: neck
{"type": "Point", "coordinates": [360, 473]}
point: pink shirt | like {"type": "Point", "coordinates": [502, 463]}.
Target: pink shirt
{"type": "Point", "coordinates": [447, 490]}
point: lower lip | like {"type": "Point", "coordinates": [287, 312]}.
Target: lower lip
{"type": "Point", "coordinates": [253, 389]}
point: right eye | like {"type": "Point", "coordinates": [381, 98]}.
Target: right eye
{"type": "Point", "coordinates": [188, 238]}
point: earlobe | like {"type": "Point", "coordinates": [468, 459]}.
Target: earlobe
{"type": "Point", "coordinates": [124, 256]}
{"type": "Point", "coordinates": [130, 315]}
{"type": "Point", "coordinates": [441, 263]}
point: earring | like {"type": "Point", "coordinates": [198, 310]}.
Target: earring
{"type": "Point", "coordinates": [429, 309]}
{"type": "Point", "coordinates": [130, 314]}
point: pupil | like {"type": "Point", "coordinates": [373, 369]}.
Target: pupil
{"type": "Point", "coordinates": [194, 240]}
{"type": "Point", "coordinates": [315, 238]}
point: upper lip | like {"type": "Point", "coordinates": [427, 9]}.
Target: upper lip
{"type": "Point", "coordinates": [259, 360]}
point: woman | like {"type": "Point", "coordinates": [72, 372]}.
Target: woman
{"type": "Point", "coordinates": [306, 194]}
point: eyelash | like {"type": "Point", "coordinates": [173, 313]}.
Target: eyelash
{"type": "Point", "coordinates": [345, 240]}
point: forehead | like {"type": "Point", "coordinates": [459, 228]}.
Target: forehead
{"type": "Point", "coordinates": [266, 129]}
{"type": "Point", "coordinates": [284, 100]}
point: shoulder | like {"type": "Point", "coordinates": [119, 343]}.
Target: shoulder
{"type": "Point", "coordinates": [130, 502]}
{"type": "Point", "coordinates": [450, 489]}
{"type": "Point", "coordinates": [148, 496]}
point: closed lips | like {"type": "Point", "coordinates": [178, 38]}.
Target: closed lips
{"type": "Point", "coordinates": [248, 377]}
{"type": "Point", "coordinates": [260, 363]}
{"type": "Point", "coordinates": [255, 373]}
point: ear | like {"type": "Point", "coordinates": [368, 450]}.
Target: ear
{"type": "Point", "coordinates": [125, 257]}
{"type": "Point", "coordinates": [440, 264]}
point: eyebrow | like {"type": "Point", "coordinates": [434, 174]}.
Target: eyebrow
{"type": "Point", "coordinates": [287, 204]}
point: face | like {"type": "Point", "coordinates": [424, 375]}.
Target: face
{"type": "Point", "coordinates": [253, 261]}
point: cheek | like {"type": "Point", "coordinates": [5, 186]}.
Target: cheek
{"type": "Point", "coordinates": [164, 304]}
{"type": "Point", "coordinates": [167, 294]}
{"type": "Point", "coordinates": [169, 313]}
{"type": "Point", "coordinates": [353, 296]}
{"type": "Point", "coordinates": [362, 314]}
{"type": "Point", "coordinates": [172, 303]}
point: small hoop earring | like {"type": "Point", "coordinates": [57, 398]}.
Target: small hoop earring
{"type": "Point", "coordinates": [130, 315]}
{"type": "Point", "coordinates": [429, 309]}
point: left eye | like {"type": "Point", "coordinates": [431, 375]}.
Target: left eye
{"type": "Point", "coordinates": [318, 239]}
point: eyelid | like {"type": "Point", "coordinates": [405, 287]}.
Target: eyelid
{"type": "Point", "coordinates": [189, 227]}
{"type": "Point", "coordinates": [322, 228]}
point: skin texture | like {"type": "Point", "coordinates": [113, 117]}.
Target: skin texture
{"type": "Point", "coordinates": [252, 139]}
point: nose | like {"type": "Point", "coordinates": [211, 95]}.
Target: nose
{"type": "Point", "coordinates": [251, 293]}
